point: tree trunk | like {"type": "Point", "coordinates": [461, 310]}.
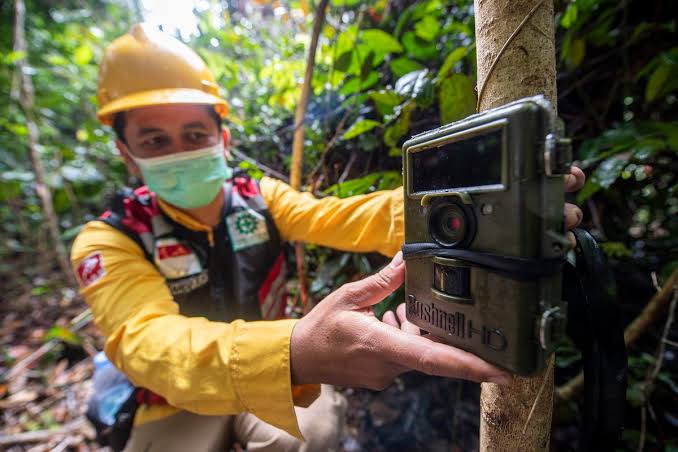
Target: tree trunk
{"type": "Point", "coordinates": [516, 58]}
{"type": "Point", "coordinates": [298, 142]}
{"type": "Point", "coordinates": [26, 101]}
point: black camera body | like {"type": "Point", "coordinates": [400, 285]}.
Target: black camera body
{"type": "Point", "coordinates": [484, 238]}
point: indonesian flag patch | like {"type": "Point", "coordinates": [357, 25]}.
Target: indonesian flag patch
{"type": "Point", "coordinates": [91, 269]}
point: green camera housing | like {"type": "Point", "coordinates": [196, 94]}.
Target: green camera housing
{"type": "Point", "coordinates": [484, 199]}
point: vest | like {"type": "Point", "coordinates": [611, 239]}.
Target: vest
{"type": "Point", "coordinates": [240, 275]}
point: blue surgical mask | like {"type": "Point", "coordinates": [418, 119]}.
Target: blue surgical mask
{"type": "Point", "coordinates": [187, 179]}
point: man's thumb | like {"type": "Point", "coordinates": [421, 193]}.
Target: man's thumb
{"type": "Point", "coordinates": [375, 288]}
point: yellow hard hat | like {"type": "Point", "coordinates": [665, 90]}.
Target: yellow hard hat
{"type": "Point", "coordinates": [147, 67]}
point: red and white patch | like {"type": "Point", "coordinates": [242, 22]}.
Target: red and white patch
{"type": "Point", "coordinates": [91, 269]}
{"type": "Point", "coordinates": [174, 259]}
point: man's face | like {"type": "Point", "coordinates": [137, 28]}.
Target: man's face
{"type": "Point", "coordinates": [161, 130]}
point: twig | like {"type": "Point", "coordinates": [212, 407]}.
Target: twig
{"type": "Point", "coordinates": [503, 48]}
{"type": "Point", "coordinates": [298, 141]}
{"type": "Point", "coordinates": [347, 168]}
{"type": "Point", "coordinates": [265, 169]}
{"type": "Point", "coordinates": [78, 322]}
{"type": "Point", "coordinates": [649, 315]}
{"type": "Point", "coordinates": [547, 375]}
{"type": "Point", "coordinates": [652, 374]}
{"type": "Point", "coordinates": [43, 435]}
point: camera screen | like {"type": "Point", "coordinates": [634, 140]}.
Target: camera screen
{"type": "Point", "coordinates": [471, 162]}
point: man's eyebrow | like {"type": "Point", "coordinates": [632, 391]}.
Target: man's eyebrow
{"type": "Point", "coordinates": [147, 130]}
{"type": "Point", "coordinates": [199, 124]}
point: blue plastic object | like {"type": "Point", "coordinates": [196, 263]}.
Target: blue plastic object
{"type": "Point", "coordinates": [111, 390]}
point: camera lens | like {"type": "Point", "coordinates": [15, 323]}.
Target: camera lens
{"type": "Point", "coordinates": [451, 225]}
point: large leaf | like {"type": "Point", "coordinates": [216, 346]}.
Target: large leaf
{"type": "Point", "coordinates": [457, 98]}
{"type": "Point", "coordinates": [380, 41]}
{"type": "Point", "coordinates": [359, 127]}
{"type": "Point", "coordinates": [385, 101]}
{"type": "Point", "coordinates": [427, 28]}
{"type": "Point", "coordinates": [419, 48]}
{"type": "Point", "coordinates": [412, 84]}
{"type": "Point", "coordinates": [657, 81]}
{"type": "Point", "coordinates": [453, 58]}
{"type": "Point", "coordinates": [399, 128]}
{"type": "Point", "coordinates": [403, 65]}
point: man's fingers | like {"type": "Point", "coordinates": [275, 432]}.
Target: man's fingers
{"type": "Point", "coordinates": [573, 216]}
{"type": "Point", "coordinates": [389, 318]}
{"type": "Point", "coordinates": [375, 288]}
{"type": "Point", "coordinates": [418, 353]}
{"type": "Point", "coordinates": [575, 180]}
{"type": "Point", "coordinates": [405, 325]}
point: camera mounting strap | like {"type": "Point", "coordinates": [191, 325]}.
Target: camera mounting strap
{"type": "Point", "coordinates": [593, 325]}
{"type": "Point", "coordinates": [518, 268]}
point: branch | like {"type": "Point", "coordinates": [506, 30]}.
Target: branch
{"type": "Point", "coordinates": [79, 322]}
{"type": "Point", "coordinates": [652, 311]}
{"type": "Point", "coordinates": [44, 435]}
{"type": "Point", "coordinates": [298, 142]}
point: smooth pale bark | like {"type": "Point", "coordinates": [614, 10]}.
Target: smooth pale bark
{"type": "Point", "coordinates": [516, 58]}
{"type": "Point", "coordinates": [25, 97]}
{"type": "Point", "coordinates": [298, 141]}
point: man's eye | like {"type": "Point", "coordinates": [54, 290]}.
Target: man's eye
{"type": "Point", "coordinates": [196, 137]}
{"type": "Point", "coordinates": [155, 142]}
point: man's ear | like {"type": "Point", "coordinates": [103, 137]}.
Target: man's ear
{"type": "Point", "coordinates": [127, 156]}
{"type": "Point", "coordinates": [226, 135]}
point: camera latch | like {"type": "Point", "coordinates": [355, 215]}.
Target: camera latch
{"type": "Point", "coordinates": [557, 155]}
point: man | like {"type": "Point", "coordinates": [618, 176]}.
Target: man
{"type": "Point", "coordinates": [177, 274]}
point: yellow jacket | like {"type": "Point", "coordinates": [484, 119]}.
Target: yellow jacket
{"type": "Point", "coordinates": [216, 368]}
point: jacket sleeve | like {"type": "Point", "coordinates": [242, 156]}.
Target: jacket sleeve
{"type": "Point", "coordinates": [209, 368]}
{"type": "Point", "coordinates": [363, 223]}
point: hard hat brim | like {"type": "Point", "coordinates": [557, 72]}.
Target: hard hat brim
{"type": "Point", "coordinates": [161, 97]}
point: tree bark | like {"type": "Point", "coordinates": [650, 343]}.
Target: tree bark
{"type": "Point", "coordinates": [516, 58]}
{"type": "Point", "coordinates": [26, 102]}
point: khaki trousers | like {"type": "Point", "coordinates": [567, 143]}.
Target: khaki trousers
{"type": "Point", "coordinates": [321, 424]}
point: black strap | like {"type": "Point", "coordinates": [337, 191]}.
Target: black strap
{"type": "Point", "coordinates": [594, 326]}
{"type": "Point", "coordinates": [519, 268]}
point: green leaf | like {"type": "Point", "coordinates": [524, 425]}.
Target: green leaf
{"type": "Point", "coordinates": [403, 65]}
{"type": "Point", "coordinates": [344, 61]}
{"type": "Point", "coordinates": [83, 55]}
{"type": "Point", "coordinates": [427, 28]}
{"type": "Point", "coordinates": [635, 395]}
{"type": "Point", "coordinates": [656, 82]}
{"type": "Point", "coordinates": [457, 98]}
{"type": "Point", "coordinates": [400, 127]}
{"type": "Point", "coordinates": [412, 84]}
{"type": "Point", "coordinates": [419, 48]}
{"type": "Point", "coordinates": [577, 52]}
{"type": "Point", "coordinates": [615, 249]}
{"type": "Point", "coordinates": [604, 176]}
{"type": "Point", "coordinates": [385, 101]}
{"type": "Point", "coordinates": [62, 334]}
{"type": "Point", "coordinates": [455, 56]}
{"type": "Point", "coordinates": [355, 85]}
{"type": "Point", "coordinates": [570, 16]}
{"type": "Point", "coordinates": [359, 127]}
{"type": "Point", "coordinates": [13, 57]}
{"type": "Point", "coordinates": [380, 41]}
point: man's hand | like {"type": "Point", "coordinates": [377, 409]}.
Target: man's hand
{"type": "Point", "coordinates": [573, 215]}
{"type": "Point", "coordinates": [341, 342]}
